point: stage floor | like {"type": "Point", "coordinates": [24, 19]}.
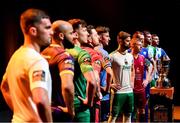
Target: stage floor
{"type": "Point", "coordinates": [5, 116]}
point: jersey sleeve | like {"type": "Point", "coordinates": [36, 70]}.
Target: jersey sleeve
{"type": "Point", "coordinates": [164, 55]}
{"type": "Point", "coordinates": [82, 57]}
{"type": "Point", "coordinates": [111, 57]}
{"type": "Point", "coordinates": [84, 61]}
{"type": "Point", "coordinates": [66, 64]}
{"type": "Point", "coordinates": [38, 74]}
{"type": "Point", "coordinates": [106, 59]}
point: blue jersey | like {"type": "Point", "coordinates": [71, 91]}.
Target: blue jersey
{"type": "Point", "coordinates": [161, 54]}
{"type": "Point", "coordinates": [148, 59]}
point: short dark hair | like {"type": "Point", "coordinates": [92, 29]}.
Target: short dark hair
{"type": "Point", "coordinates": [102, 29]}
{"type": "Point", "coordinates": [136, 34]}
{"type": "Point", "coordinates": [146, 32]}
{"type": "Point", "coordinates": [123, 35]}
{"type": "Point", "coordinates": [77, 22]}
{"type": "Point", "coordinates": [154, 35]}
{"type": "Point", "coordinates": [134, 41]}
{"type": "Point", "coordinates": [89, 28]}
{"type": "Point", "coordinates": [30, 17]}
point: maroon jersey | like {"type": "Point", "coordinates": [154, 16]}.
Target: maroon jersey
{"type": "Point", "coordinates": [139, 64]}
{"type": "Point", "coordinates": [60, 62]}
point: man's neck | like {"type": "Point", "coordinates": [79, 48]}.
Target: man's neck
{"type": "Point", "coordinates": [54, 43]}
{"type": "Point", "coordinates": [121, 50]}
{"type": "Point", "coordinates": [101, 45]}
{"type": "Point", "coordinates": [135, 55]}
{"type": "Point", "coordinates": [86, 45]}
{"type": "Point", "coordinates": [30, 44]}
{"type": "Point", "coordinates": [77, 43]}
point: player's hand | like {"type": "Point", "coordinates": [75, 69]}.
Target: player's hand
{"type": "Point", "coordinates": [65, 110]}
{"type": "Point", "coordinates": [85, 101]}
{"type": "Point", "coordinates": [115, 87]}
{"type": "Point", "coordinates": [145, 83]}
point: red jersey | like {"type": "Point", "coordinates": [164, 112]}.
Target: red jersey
{"type": "Point", "coordinates": [139, 64]}
{"type": "Point", "coordinates": [96, 58]}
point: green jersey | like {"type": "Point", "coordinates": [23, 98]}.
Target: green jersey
{"type": "Point", "coordinates": [82, 65]}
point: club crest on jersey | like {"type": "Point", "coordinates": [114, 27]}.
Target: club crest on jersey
{"type": "Point", "coordinates": [137, 70]}
{"type": "Point", "coordinates": [98, 62]}
{"type": "Point", "coordinates": [87, 60]}
{"type": "Point", "coordinates": [106, 59]}
{"type": "Point", "coordinates": [125, 61]}
{"type": "Point", "coordinates": [38, 75]}
{"type": "Point", "coordinates": [144, 53]}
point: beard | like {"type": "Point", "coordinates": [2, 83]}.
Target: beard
{"type": "Point", "coordinates": [126, 47]}
{"type": "Point", "coordinates": [67, 44]}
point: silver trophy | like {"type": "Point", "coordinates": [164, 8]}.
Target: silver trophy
{"type": "Point", "coordinates": [163, 81]}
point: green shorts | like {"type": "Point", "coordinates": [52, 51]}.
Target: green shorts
{"type": "Point", "coordinates": [82, 116]}
{"type": "Point", "coordinates": [122, 103]}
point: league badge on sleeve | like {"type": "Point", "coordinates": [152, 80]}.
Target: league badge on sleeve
{"type": "Point", "coordinates": [38, 75]}
{"type": "Point", "coordinates": [87, 61]}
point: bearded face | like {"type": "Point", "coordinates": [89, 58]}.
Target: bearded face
{"type": "Point", "coordinates": [67, 44]}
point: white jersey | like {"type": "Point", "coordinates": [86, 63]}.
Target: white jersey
{"type": "Point", "coordinates": [27, 70]}
{"type": "Point", "coordinates": [121, 66]}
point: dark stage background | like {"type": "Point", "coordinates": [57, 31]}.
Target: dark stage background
{"type": "Point", "coordinates": [157, 16]}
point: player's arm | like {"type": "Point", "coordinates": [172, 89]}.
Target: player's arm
{"type": "Point", "coordinates": [148, 74]}
{"type": "Point", "coordinates": [38, 75]}
{"type": "Point", "coordinates": [66, 75]}
{"type": "Point", "coordinates": [109, 73]}
{"type": "Point", "coordinates": [109, 78]}
{"type": "Point", "coordinates": [165, 56]}
{"type": "Point", "coordinates": [98, 87]}
{"type": "Point", "coordinates": [151, 68]}
{"type": "Point", "coordinates": [5, 91]}
{"type": "Point", "coordinates": [91, 86]}
{"type": "Point", "coordinates": [132, 75]}
{"type": "Point", "coordinates": [87, 70]}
